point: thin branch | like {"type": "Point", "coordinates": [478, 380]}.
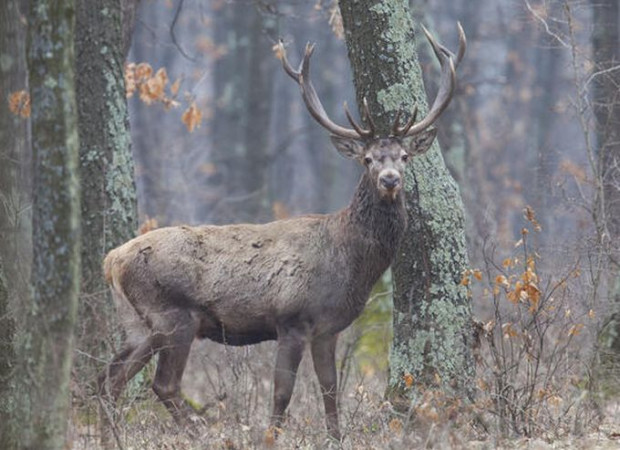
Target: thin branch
{"type": "Point", "coordinates": [546, 25]}
{"type": "Point", "coordinates": [173, 35]}
{"type": "Point", "coordinates": [596, 74]}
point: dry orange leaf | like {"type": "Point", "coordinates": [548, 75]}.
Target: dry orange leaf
{"type": "Point", "coordinates": [174, 89]}
{"type": "Point", "coordinates": [148, 225]}
{"type": "Point", "coordinates": [192, 117]}
{"type": "Point", "coordinates": [19, 103]}
{"type": "Point", "coordinates": [408, 378]}
{"type": "Point", "coordinates": [143, 71]}
{"type": "Point", "coordinates": [501, 280]}
{"type": "Point", "coordinates": [280, 211]}
{"type": "Point", "coordinates": [278, 50]}
{"type": "Point", "coordinates": [396, 426]}
{"type": "Point", "coordinates": [575, 329]}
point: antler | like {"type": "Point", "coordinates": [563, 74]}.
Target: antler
{"type": "Point", "coordinates": [311, 99]}
{"type": "Point", "coordinates": [447, 82]}
{"type": "Point", "coordinates": [446, 86]}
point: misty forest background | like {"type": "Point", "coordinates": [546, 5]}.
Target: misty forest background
{"type": "Point", "coordinates": [184, 116]}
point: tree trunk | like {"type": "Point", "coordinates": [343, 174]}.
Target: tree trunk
{"type": "Point", "coordinates": [432, 315]}
{"type": "Point", "coordinates": [243, 83]}
{"type": "Point", "coordinates": [7, 361]}
{"type": "Point", "coordinates": [106, 164]}
{"type": "Point", "coordinates": [606, 105]}
{"type": "Point", "coordinates": [48, 337]}
{"type": "Point", "coordinates": [14, 151]}
{"type": "Point", "coordinates": [15, 248]}
{"type": "Point", "coordinates": [255, 163]}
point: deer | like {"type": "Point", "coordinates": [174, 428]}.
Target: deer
{"type": "Point", "coordinates": [299, 281]}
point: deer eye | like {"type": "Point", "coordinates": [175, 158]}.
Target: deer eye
{"type": "Point", "coordinates": [367, 160]}
{"type": "Point", "coordinates": [405, 157]}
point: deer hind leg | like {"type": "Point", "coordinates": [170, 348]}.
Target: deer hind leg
{"type": "Point", "coordinates": [125, 366]}
{"type": "Point", "coordinates": [115, 377]}
{"type": "Point", "coordinates": [290, 352]}
{"type": "Point", "coordinates": [324, 359]}
{"type": "Point", "coordinates": [173, 355]}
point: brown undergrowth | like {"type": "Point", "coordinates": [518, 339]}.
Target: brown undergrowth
{"type": "Point", "coordinates": [534, 349]}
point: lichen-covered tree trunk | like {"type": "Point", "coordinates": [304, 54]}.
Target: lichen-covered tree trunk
{"type": "Point", "coordinates": [432, 314]}
{"type": "Point", "coordinates": [106, 164]}
{"type": "Point", "coordinates": [7, 362]}
{"type": "Point", "coordinates": [606, 106]}
{"type": "Point", "coordinates": [14, 171]}
{"type": "Point", "coordinates": [47, 348]}
{"type": "Point", "coordinates": [15, 250]}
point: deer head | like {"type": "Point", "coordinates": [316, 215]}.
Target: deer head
{"type": "Point", "coordinates": [384, 157]}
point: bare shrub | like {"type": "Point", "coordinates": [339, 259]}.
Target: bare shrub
{"type": "Point", "coordinates": [533, 371]}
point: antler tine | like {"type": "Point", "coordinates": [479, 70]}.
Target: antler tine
{"type": "Point", "coordinates": [310, 97]}
{"type": "Point", "coordinates": [462, 45]}
{"type": "Point", "coordinates": [354, 124]}
{"type": "Point", "coordinates": [371, 123]}
{"type": "Point", "coordinates": [285, 64]}
{"type": "Point", "coordinates": [396, 125]}
{"type": "Point", "coordinates": [446, 85]}
{"type": "Point", "coordinates": [402, 131]}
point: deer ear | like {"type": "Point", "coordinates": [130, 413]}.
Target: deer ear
{"type": "Point", "coordinates": [421, 142]}
{"type": "Point", "coordinates": [348, 147]}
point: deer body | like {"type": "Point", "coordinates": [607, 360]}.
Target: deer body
{"type": "Point", "coordinates": [242, 282]}
{"type": "Point", "coordinates": [299, 281]}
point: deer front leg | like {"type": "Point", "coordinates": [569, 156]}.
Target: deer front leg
{"type": "Point", "coordinates": [290, 351]}
{"type": "Point", "coordinates": [324, 359]}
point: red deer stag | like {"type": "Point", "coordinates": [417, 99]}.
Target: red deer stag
{"type": "Point", "coordinates": [298, 281]}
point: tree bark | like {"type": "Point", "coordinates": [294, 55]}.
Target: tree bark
{"type": "Point", "coordinates": [15, 248]}
{"type": "Point", "coordinates": [606, 106]}
{"type": "Point", "coordinates": [48, 337]}
{"type": "Point", "coordinates": [14, 151]}
{"type": "Point", "coordinates": [7, 362]}
{"type": "Point", "coordinates": [432, 315]}
{"type": "Point", "coordinates": [108, 206]}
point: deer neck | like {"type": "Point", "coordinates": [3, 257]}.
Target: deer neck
{"type": "Point", "coordinates": [380, 221]}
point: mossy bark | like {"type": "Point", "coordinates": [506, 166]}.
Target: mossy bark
{"type": "Point", "coordinates": [7, 362]}
{"type": "Point", "coordinates": [432, 314]}
{"type": "Point", "coordinates": [47, 346]}
{"type": "Point", "coordinates": [14, 150]}
{"type": "Point", "coordinates": [606, 107]}
{"type": "Point", "coordinates": [15, 232]}
{"type": "Point", "coordinates": [108, 207]}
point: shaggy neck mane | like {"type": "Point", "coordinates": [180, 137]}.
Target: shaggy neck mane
{"type": "Point", "coordinates": [382, 220]}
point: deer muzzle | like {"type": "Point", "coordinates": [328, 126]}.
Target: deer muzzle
{"type": "Point", "coordinates": [389, 180]}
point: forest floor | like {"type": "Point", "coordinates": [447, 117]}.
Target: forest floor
{"type": "Point", "coordinates": [234, 385]}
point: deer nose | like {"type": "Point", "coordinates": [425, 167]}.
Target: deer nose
{"type": "Point", "coordinates": [389, 180]}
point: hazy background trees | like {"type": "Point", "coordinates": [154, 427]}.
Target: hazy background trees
{"type": "Point", "coordinates": [534, 122]}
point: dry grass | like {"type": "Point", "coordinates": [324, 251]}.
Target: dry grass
{"type": "Point", "coordinates": [536, 341]}
{"type": "Point", "coordinates": [235, 385]}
